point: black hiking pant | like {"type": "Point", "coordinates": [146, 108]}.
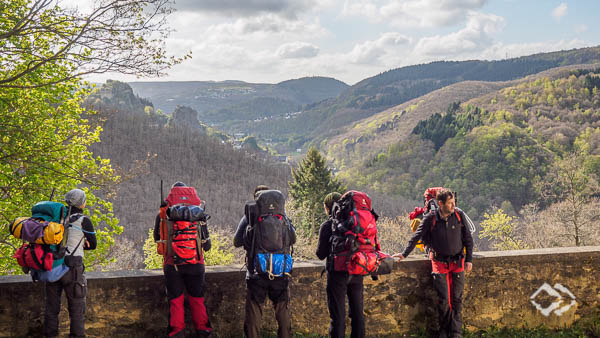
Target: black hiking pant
{"type": "Point", "coordinates": [340, 286]}
{"type": "Point", "coordinates": [256, 293]}
{"type": "Point", "coordinates": [75, 286]}
{"type": "Point", "coordinates": [449, 282]}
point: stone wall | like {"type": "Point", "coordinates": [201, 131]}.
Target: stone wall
{"type": "Point", "coordinates": [497, 292]}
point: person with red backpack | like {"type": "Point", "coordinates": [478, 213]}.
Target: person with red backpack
{"type": "Point", "coordinates": [450, 245]}
{"type": "Point", "coordinates": [182, 235]}
{"type": "Point", "coordinates": [340, 283]}
{"type": "Point", "coordinates": [267, 235]}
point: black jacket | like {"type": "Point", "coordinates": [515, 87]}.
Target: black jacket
{"type": "Point", "coordinates": [448, 237]}
{"type": "Point", "coordinates": [324, 245]}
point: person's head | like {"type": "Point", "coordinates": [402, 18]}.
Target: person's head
{"type": "Point", "coordinates": [445, 198]}
{"type": "Point", "coordinates": [328, 201]}
{"type": "Point", "coordinates": [76, 198]}
{"type": "Point", "coordinates": [259, 188]}
{"type": "Point", "coordinates": [178, 184]}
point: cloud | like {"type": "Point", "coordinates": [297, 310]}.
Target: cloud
{"type": "Point", "coordinates": [581, 28]}
{"type": "Point", "coordinates": [476, 36]}
{"type": "Point", "coordinates": [297, 50]}
{"type": "Point", "coordinates": [372, 52]}
{"type": "Point", "coordinates": [232, 8]}
{"type": "Point", "coordinates": [413, 13]}
{"type": "Point", "coordinates": [560, 11]}
{"type": "Point", "coordinates": [266, 24]}
{"type": "Point", "coordinates": [500, 50]}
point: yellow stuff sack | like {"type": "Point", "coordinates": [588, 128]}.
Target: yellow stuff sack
{"type": "Point", "coordinates": [413, 226]}
{"type": "Point", "coordinates": [52, 233]}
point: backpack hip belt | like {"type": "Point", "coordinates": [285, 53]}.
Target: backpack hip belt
{"type": "Point", "coordinates": [447, 258]}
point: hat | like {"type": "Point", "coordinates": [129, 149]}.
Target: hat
{"type": "Point", "coordinates": [75, 198]}
{"type": "Point", "coordinates": [260, 188]}
{"type": "Point", "coordinates": [178, 184]}
{"type": "Point", "coordinates": [331, 198]}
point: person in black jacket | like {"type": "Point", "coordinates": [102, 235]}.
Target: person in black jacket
{"type": "Point", "coordinates": [339, 283]}
{"type": "Point", "coordinates": [259, 285]}
{"type": "Point", "coordinates": [451, 252]}
{"type": "Point", "coordinates": [81, 236]}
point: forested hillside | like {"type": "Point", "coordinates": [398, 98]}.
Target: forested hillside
{"type": "Point", "coordinates": [148, 147]}
{"type": "Point", "coordinates": [501, 149]}
{"type": "Point", "coordinates": [370, 96]}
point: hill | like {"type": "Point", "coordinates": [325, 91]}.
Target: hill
{"type": "Point", "coordinates": [498, 148]}
{"type": "Point", "coordinates": [370, 135]}
{"type": "Point", "coordinates": [324, 119]}
{"type": "Point", "coordinates": [147, 147]}
{"type": "Point", "coordinates": [208, 97]}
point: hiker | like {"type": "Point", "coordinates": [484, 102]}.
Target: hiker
{"type": "Point", "coordinates": [182, 235]}
{"type": "Point", "coordinates": [266, 214]}
{"type": "Point", "coordinates": [81, 236]}
{"type": "Point", "coordinates": [450, 245]}
{"type": "Point", "coordinates": [339, 283]}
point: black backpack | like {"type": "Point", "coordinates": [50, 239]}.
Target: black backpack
{"type": "Point", "coordinates": [268, 234]}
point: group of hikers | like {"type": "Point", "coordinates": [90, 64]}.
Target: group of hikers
{"type": "Point", "coordinates": [348, 242]}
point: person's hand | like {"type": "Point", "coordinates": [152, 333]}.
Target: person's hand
{"type": "Point", "coordinates": [398, 257]}
{"type": "Point", "coordinates": [86, 244]}
{"type": "Point", "coordinates": [468, 267]}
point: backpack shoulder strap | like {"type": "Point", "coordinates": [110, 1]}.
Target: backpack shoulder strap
{"type": "Point", "coordinates": [457, 213]}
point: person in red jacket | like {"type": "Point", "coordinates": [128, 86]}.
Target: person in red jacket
{"type": "Point", "coordinates": [450, 245]}
{"type": "Point", "coordinates": [188, 277]}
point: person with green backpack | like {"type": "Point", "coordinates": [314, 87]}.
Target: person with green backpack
{"type": "Point", "coordinates": [80, 236]}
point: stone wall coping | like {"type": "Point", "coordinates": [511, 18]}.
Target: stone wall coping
{"type": "Point", "coordinates": [313, 264]}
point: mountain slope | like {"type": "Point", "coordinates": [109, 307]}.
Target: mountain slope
{"type": "Point", "coordinates": [394, 87]}
{"type": "Point", "coordinates": [209, 96]}
{"type": "Point", "coordinates": [147, 148]}
{"type": "Point", "coordinates": [494, 149]}
{"type": "Point", "coordinates": [377, 132]}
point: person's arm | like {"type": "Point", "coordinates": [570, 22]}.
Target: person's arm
{"type": "Point", "coordinates": [422, 230]}
{"type": "Point", "coordinates": [323, 246]}
{"type": "Point", "coordinates": [157, 228]}
{"type": "Point", "coordinates": [238, 238]}
{"type": "Point", "coordinates": [292, 232]}
{"type": "Point", "coordinates": [207, 244]}
{"type": "Point", "coordinates": [89, 233]}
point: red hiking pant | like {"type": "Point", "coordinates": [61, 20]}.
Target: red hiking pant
{"type": "Point", "coordinates": [191, 279]}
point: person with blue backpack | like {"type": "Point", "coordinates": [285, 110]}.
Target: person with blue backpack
{"type": "Point", "coordinates": [81, 236]}
{"type": "Point", "coordinates": [267, 235]}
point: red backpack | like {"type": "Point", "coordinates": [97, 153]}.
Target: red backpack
{"type": "Point", "coordinates": [35, 256]}
{"type": "Point", "coordinates": [355, 246]}
{"type": "Point", "coordinates": [180, 221]}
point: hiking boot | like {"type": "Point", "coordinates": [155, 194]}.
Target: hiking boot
{"type": "Point", "coordinates": [202, 333]}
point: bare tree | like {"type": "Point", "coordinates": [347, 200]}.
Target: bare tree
{"type": "Point", "coordinates": [571, 190]}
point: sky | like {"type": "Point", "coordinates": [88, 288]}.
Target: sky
{"type": "Point", "coordinates": [269, 41]}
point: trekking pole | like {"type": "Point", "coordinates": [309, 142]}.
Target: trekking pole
{"type": "Point", "coordinates": [161, 192]}
{"type": "Point", "coordinates": [52, 194]}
